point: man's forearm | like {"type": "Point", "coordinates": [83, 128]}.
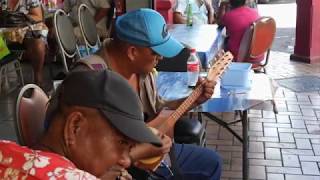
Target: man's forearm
{"type": "Point", "coordinates": [141, 151]}
{"type": "Point", "coordinates": [211, 19]}
{"type": "Point", "coordinates": [210, 12]}
{"type": "Point", "coordinates": [34, 17]}
{"type": "Point", "coordinates": [178, 18]}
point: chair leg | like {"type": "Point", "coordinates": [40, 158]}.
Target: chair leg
{"type": "Point", "coordinates": [1, 76]}
{"type": "Point", "coordinates": [204, 123]}
{"type": "Point", "coordinates": [18, 69]}
{"type": "Point", "coordinates": [200, 117]}
{"type": "Point", "coordinates": [267, 57]}
{"type": "Point", "coordinates": [266, 62]}
{"type": "Point", "coordinates": [274, 105]}
{"type": "Point", "coordinates": [203, 141]}
{"type": "Point", "coordinates": [6, 80]}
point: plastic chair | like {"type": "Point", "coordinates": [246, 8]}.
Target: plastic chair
{"type": "Point", "coordinates": [30, 113]}
{"type": "Point", "coordinates": [256, 41]}
{"type": "Point", "coordinates": [66, 38]}
{"type": "Point", "coordinates": [88, 28]}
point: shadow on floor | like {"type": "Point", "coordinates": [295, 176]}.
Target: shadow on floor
{"type": "Point", "coordinates": [284, 40]}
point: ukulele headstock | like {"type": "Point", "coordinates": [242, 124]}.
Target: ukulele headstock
{"type": "Point", "coordinates": [219, 66]}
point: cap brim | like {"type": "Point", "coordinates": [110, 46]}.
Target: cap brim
{"type": "Point", "coordinates": [134, 129]}
{"type": "Point", "coordinates": [169, 49]}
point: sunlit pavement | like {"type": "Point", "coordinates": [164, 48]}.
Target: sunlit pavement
{"type": "Point", "coordinates": [285, 146]}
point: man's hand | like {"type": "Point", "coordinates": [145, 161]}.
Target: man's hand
{"type": "Point", "coordinates": [208, 89]}
{"type": "Point", "coordinates": [157, 122]}
{"type": "Point", "coordinates": [116, 172]}
{"type": "Point", "coordinates": [144, 151]}
{"type": "Point", "coordinates": [208, 86]}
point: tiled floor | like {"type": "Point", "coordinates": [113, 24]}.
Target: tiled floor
{"type": "Point", "coordinates": [281, 146]}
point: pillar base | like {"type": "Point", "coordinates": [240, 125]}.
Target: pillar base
{"type": "Point", "coordinates": [305, 59]}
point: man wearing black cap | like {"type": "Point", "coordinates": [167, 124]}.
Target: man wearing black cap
{"type": "Point", "coordinates": [89, 132]}
{"type": "Point", "coordinates": [141, 39]}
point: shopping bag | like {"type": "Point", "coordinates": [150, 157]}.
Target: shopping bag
{"type": "Point", "coordinates": [3, 48]}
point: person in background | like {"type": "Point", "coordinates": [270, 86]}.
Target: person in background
{"type": "Point", "coordinates": [89, 132]}
{"type": "Point", "coordinates": [100, 10]}
{"type": "Point", "coordinates": [202, 12]}
{"type": "Point", "coordinates": [34, 40]}
{"type": "Point", "coordinates": [224, 6]}
{"type": "Point", "coordinates": [215, 5]}
{"type": "Point", "coordinates": [141, 39]}
{"type": "Point", "coordinates": [236, 21]}
{"type": "Point", "coordinates": [252, 3]}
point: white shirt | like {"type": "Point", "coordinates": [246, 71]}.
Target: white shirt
{"type": "Point", "coordinates": [199, 10]}
{"type": "Point", "coordinates": [71, 6]}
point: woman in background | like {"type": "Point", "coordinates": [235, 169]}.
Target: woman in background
{"type": "Point", "coordinates": [34, 40]}
{"type": "Point", "coordinates": [236, 21]}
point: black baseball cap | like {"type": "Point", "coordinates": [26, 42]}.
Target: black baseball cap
{"type": "Point", "coordinates": [112, 96]}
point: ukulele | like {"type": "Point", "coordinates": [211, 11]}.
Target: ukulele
{"type": "Point", "coordinates": [216, 70]}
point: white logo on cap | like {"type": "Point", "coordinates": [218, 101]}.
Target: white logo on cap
{"type": "Point", "coordinates": [164, 31]}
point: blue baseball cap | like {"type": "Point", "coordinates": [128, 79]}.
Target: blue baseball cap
{"type": "Point", "coordinates": [146, 27]}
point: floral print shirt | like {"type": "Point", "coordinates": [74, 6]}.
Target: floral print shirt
{"type": "Point", "coordinates": [25, 5]}
{"type": "Point", "coordinates": [22, 163]}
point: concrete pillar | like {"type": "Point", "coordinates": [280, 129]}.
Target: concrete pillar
{"type": "Point", "coordinates": [307, 46]}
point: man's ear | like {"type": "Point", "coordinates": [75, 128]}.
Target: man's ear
{"type": "Point", "coordinates": [75, 126]}
{"type": "Point", "coordinates": [132, 52]}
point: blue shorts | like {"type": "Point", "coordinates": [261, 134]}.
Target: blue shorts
{"type": "Point", "coordinates": [194, 162]}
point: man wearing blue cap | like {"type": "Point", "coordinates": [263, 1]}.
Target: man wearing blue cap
{"type": "Point", "coordinates": [141, 39]}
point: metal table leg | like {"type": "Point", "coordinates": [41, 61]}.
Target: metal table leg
{"type": "Point", "coordinates": [244, 139]}
{"type": "Point", "coordinates": [223, 124]}
{"type": "Point", "coordinates": [245, 164]}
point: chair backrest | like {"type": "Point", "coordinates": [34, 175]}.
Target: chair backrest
{"type": "Point", "coordinates": [30, 113]}
{"type": "Point", "coordinates": [66, 38]}
{"type": "Point", "coordinates": [88, 27]}
{"type": "Point", "coordinates": [257, 39]}
{"type": "Point", "coordinates": [175, 64]}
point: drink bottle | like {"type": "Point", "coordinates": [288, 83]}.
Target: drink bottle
{"type": "Point", "coordinates": [189, 15]}
{"type": "Point", "coordinates": [193, 68]}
